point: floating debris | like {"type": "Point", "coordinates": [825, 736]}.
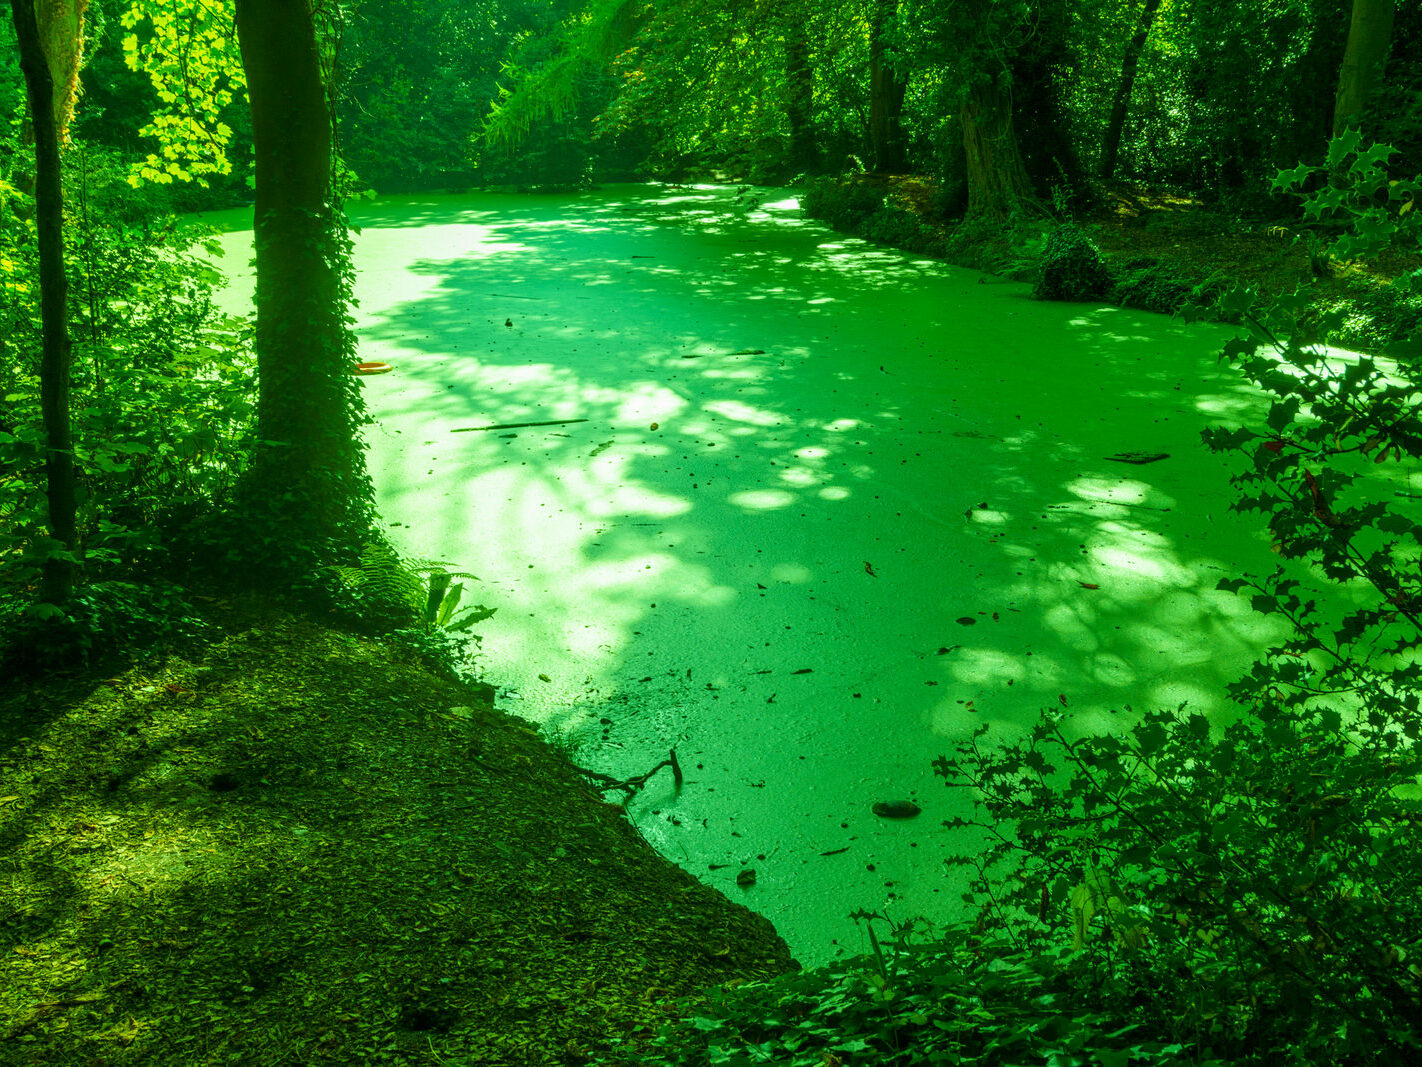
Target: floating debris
{"type": "Point", "coordinates": [515, 425]}
{"type": "Point", "coordinates": [896, 809]}
{"type": "Point", "coordinates": [1139, 457]}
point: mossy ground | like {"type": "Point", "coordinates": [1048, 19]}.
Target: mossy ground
{"type": "Point", "coordinates": [292, 845]}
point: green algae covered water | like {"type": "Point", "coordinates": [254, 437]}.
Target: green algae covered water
{"type": "Point", "coordinates": [806, 510]}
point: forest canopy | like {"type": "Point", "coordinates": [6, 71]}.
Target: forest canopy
{"type": "Point", "coordinates": [1199, 96]}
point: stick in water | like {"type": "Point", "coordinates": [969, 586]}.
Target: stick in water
{"type": "Point", "coordinates": [630, 785]}
{"type": "Point", "coordinates": [516, 425]}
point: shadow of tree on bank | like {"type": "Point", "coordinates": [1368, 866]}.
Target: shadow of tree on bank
{"type": "Point", "coordinates": [300, 848]}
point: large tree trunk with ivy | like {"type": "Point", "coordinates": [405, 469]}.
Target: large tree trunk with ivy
{"type": "Point", "coordinates": [307, 484]}
{"type": "Point", "coordinates": [799, 107]}
{"type": "Point", "coordinates": [1369, 39]}
{"type": "Point", "coordinates": [1121, 99]}
{"type": "Point", "coordinates": [887, 87]}
{"type": "Point", "coordinates": [48, 112]}
{"type": "Point", "coordinates": [997, 179]}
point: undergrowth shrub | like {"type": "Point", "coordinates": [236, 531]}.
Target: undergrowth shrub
{"type": "Point", "coordinates": [962, 999]}
{"type": "Point", "coordinates": [162, 393]}
{"type": "Point", "coordinates": [1379, 318]}
{"type": "Point", "coordinates": [101, 619]}
{"type": "Point", "coordinates": [842, 205]}
{"type": "Point", "coordinates": [1072, 267]}
{"type": "Point", "coordinates": [1151, 284]}
{"type": "Point", "coordinates": [855, 208]}
{"type": "Point", "coordinates": [161, 404]}
{"type": "Point", "coordinates": [893, 225]}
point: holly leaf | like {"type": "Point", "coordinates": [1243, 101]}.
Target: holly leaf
{"type": "Point", "coordinates": [1343, 146]}
{"type": "Point", "coordinates": [1286, 180]}
{"type": "Point", "coordinates": [1372, 156]}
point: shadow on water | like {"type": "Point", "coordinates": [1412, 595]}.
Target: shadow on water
{"type": "Point", "coordinates": [825, 509]}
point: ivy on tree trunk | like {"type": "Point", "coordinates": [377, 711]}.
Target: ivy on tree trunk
{"type": "Point", "coordinates": [308, 480]}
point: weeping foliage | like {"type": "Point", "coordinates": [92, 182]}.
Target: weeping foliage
{"type": "Point", "coordinates": [548, 76]}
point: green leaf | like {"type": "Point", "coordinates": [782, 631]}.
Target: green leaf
{"type": "Point", "coordinates": [1372, 157]}
{"type": "Point", "coordinates": [1236, 301]}
{"type": "Point", "coordinates": [1282, 414]}
{"type": "Point", "coordinates": [1286, 180]}
{"type": "Point", "coordinates": [1150, 738]}
{"type": "Point", "coordinates": [1343, 146]}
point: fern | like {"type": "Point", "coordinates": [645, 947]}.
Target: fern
{"type": "Point", "coordinates": [424, 588]}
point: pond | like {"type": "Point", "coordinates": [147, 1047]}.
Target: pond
{"type": "Point", "coordinates": [805, 509]}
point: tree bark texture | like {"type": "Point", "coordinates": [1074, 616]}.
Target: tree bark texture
{"type": "Point", "coordinates": [59, 573]}
{"type": "Point", "coordinates": [1369, 39]}
{"type": "Point", "coordinates": [799, 108]}
{"type": "Point", "coordinates": [887, 87]}
{"type": "Point", "coordinates": [997, 178]}
{"type": "Point", "coordinates": [1121, 99]}
{"type": "Point", "coordinates": [1039, 114]}
{"type": "Point", "coordinates": [308, 473]}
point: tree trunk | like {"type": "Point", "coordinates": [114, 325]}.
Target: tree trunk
{"type": "Point", "coordinates": [886, 96]}
{"type": "Point", "coordinates": [1121, 101]}
{"type": "Point", "coordinates": [59, 570]}
{"type": "Point", "coordinates": [799, 108]}
{"type": "Point", "coordinates": [1039, 115]}
{"type": "Point", "coordinates": [997, 179]}
{"type": "Point", "coordinates": [1369, 38]}
{"type": "Point", "coordinates": [308, 477]}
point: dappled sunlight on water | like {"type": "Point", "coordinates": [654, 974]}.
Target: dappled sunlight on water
{"type": "Point", "coordinates": [824, 510]}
